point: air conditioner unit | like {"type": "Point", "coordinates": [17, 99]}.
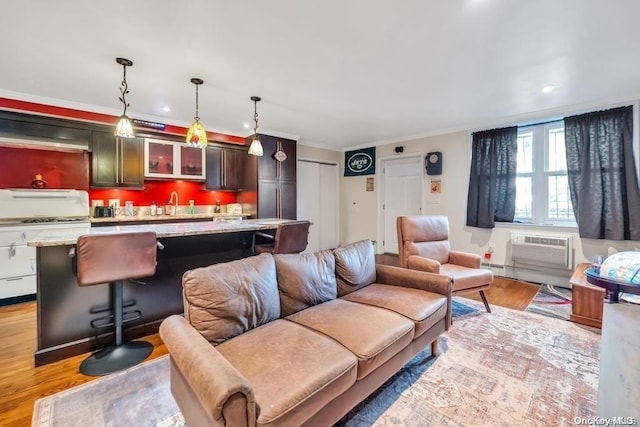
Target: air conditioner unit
{"type": "Point", "coordinates": [545, 250]}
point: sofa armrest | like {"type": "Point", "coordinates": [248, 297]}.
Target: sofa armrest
{"type": "Point", "coordinates": [430, 282]}
{"type": "Point", "coordinates": [465, 259]}
{"type": "Point", "coordinates": [416, 262]}
{"type": "Point", "coordinates": [216, 383]}
{"type": "Point", "coordinates": [397, 276]}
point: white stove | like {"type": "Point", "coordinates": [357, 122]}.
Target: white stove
{"type": "Point", "coordinates": [24, 213]}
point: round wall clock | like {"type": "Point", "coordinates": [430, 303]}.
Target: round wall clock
{"type": "Point", "coordinates": [434, 163]}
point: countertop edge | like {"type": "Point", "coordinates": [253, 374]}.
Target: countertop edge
{"type": "Point", "coordinates": [181, 229]}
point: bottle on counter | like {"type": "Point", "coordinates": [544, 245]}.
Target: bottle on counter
{"type": "Point", "coordinates": [153, 210]}
{"type": "Point", "coordinates": [192, 207]}
{"type": "Point", "coordinates": [217, 208]}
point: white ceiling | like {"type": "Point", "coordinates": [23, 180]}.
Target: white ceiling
{"type": "Point", "coordinates": [334, 73]}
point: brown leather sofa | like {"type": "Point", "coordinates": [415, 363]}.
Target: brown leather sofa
{"type": "Point", "coordinates": [297, 339]}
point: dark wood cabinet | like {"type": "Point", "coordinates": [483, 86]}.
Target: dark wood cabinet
{"type": "Point", "coordinates": [21, 127]}
{"type": "Point", "coordinates": [224, 168]}
{"type": "Point", "coordinates": [116, 162]}
{"type": "Point", "coordinates": [269, 167]}
{"type": "Point", "coordinates": [270, 190]}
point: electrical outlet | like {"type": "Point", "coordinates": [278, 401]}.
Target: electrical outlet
{"type": "Point", "coordinates": [114, 202]}
{"type": "Point", "coordinates": [491, 248]}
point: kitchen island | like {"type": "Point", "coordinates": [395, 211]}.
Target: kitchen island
{"type": "Point", "coordinates": [65, 310]}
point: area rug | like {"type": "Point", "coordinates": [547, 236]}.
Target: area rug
{"type": "Point", "coordinates": [504, 368]}
{"type": "Point", "coordinates": [552, 301]}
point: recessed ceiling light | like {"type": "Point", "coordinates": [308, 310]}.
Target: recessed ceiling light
{"type": "Point", "coordinates": [166, 109]}
{"type": "Point", "coordinates": [548, 89]}
{"type": "Point", "coordinates": [246, 125]}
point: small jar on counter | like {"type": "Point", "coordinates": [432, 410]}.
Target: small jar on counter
{"type": "Point", "coordinates": [159, 210]}
{"type": "Point", "coordinates": [153, 210]}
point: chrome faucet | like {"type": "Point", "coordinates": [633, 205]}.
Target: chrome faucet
{"type": "Point", "coordinates": [175, 207]}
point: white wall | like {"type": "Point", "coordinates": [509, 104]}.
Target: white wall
{"type": "Point", "coordinates": [360, 210]}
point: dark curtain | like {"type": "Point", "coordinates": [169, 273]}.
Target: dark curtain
{"type": "Point", "coordinates": [602, 174]}
{"type": "Point", "coordinates": [492, 184]}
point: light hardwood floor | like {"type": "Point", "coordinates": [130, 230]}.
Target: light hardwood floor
{"type": "Point", "coordinates": [21, 384]}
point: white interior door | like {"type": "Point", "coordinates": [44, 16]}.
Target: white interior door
{"type": "Point", "coordinates": [318, 202]}
{"type": "Point", "coordinates": [402, 180]}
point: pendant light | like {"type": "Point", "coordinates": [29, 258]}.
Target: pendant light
{"type": "Point", "coordinates": [197, 135]}
{"type": "Point", "coordinates": [124, 128]}
{"type": "Point", "coordinates": [255, 149]}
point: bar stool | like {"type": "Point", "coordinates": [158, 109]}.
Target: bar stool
{"type": "Point", "coordinates": [112, 259]}
{"type": "Point", "coordinates": [291, 238]}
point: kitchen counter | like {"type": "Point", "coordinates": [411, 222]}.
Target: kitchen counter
{"type": "Point", "coordinates": [178, 229]}
{"type": "Point", "coordinates": [176, 217]}
{"type": "Point", "coordinates": [65, 311]}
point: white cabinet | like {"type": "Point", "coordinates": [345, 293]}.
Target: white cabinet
{"type": "Point", "coordinates": [168, 159]}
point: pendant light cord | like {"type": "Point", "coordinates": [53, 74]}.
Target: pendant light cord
{"type": "Point", "coordinates": [124, 89]}
{"type": "Point", "coordinates": [255, 117]}
{"type": "Point", "coordinates": [197, 117]}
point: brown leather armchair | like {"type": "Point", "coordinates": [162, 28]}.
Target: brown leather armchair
{"type": "Point", "coordinates": [291, 237]}
{"type": "Point", "coordinates": [423, 244]}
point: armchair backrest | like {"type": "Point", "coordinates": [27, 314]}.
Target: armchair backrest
{"type": "Point", "coordinates": [291, 237]}
{"type": "Point", "coordinates": [423, 235]}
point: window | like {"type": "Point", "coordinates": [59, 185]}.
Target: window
{"type": "Point", "coordinates": [542, 190]}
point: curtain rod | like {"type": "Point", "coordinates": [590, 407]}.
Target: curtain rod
{"type": "Point", "coordinates": [541, 123]}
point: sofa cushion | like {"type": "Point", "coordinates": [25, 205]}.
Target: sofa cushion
{"type": "Point", "coordinates": [305, 280]}
{"type": "Point", "coordinates": [466, 278]}
{"type": "Point", "coordinates": [224, 300]}
{"type": "Point", "coordinates": [293, 370]}
{"type": "Point", "coordinates": [373, 334]}
{"type": "Point", "coordinates": [425, 309]}
{"type": "Point", "coordinates": [355, 266]}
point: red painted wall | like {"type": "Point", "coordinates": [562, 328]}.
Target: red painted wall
{"type": "Point", "coordinates": [160, 191]}
{"type": "Point", "coordinates": [18, 167]}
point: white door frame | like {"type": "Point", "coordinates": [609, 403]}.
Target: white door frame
{"type": "Point", "coordinates": [338, 194]}
{"type": "Point", "coordinates": [381, 193]}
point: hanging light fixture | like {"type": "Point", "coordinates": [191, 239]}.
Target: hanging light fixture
{"type": "Point", "coordinates": [124, 128]}
{"type": "Point", "coordinates": [255, 149]}
{"type": "Point", "coordinates": [197, 135]}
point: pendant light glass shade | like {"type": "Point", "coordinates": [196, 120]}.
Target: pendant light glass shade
{"type": "Point", "coordinates": [124, 128]}
{"type": "Point", "coordinates": [255, 149]}
{"type": "Point", "coordinates": [197, 134]}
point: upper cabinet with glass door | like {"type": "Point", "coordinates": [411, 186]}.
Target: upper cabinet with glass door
{"type": "Point", "coordinates": [168, 159]}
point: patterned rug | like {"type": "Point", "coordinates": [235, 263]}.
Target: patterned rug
{"type": "Point", "coordinates": [552, 301]}
{"type": "Point", "coordinates": [506, 368]}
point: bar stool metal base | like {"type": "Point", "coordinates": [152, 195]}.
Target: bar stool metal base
{"type": "Point", "coordinates": [111, 359]}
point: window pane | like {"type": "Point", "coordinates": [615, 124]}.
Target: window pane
{"type": "Point", "coordinates": [556, 155]}
{"type": "Point", "coordinates": [524, 197]}
{"type": "Point", "coordinates": [559, 198]}
{"type": "Point", "coordinates": [525, 152]}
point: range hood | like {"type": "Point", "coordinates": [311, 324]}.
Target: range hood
{"type": "Point", "coordinates": [42, 143]}
{"type": "Point", "coordinates": [43, 136]}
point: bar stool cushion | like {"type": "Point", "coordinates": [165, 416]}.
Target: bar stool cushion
{"type": "Point", "coordinates": [105, 258]}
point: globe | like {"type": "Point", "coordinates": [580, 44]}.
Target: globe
{"type": "Point", "coordinates": [622, 266]}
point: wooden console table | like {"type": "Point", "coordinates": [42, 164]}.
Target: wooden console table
{"type": "Point", "coordinates": [587, 299]}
